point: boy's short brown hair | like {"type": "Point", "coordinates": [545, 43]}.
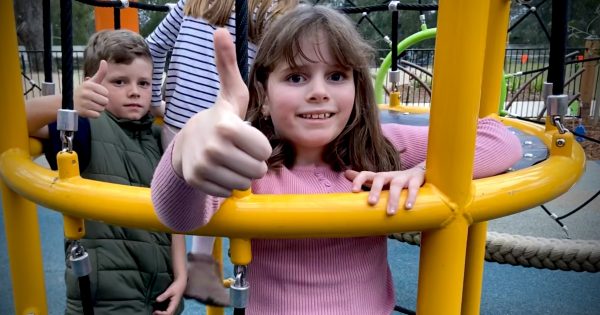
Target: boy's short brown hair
{"type": "Point", "coordinates": [116, 46]}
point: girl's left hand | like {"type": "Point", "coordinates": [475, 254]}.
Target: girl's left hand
{"type": "Point", "coordinates": [173, 294]}
{"type": "Point", "coordinates": [411, 178]}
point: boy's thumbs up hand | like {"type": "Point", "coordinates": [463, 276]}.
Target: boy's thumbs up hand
{"type": "Point", "coordinates": [216, 151]}
{"type": "Point", "coordinates": [91, 96]}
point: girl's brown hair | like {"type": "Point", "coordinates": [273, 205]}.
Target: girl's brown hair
{"type": "Point", "coordinates": [361, 144]}
{"type": "Point", "coordinates": [261, 13]}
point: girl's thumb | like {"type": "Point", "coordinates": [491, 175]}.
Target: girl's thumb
{"type": "Point", "coordinates": [233, 90]}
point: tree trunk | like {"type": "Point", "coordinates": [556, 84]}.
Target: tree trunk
{"type": "Point", "coordinates": [28, 16]}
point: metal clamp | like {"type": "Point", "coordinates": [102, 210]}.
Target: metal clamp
{"type": "Point", "coordinates": [48, 88]}
{"type": "Point", "coordinates": [557, 105]}
{"type": "Point", "coordinates": [239, 289]}
{"type": "Point", "coordinates": [557, 108]}
{"type": "Point", "coordinates": [393, 5]}
{"type": "Point", "coordinates": [67, 124]}
{"type": "Point", "coordinates": [79, 260]}
{"type": "Point", "coordinates": [394, 78]}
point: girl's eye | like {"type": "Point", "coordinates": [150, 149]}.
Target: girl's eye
{"type": "Point", "coordinates": [118, 82]}
{"type": "Point", "coordinates": [337, 76]}
{"type": "Point", "coordinates": [144, 83]}
{"type": "Point", "coordinates": [295, 78]}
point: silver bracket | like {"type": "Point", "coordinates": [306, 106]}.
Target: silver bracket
{"type": "Point", "coordinates": [66, 123]}
{"type": "Point", "coordinates": [239, 289]}
{"type": "Point", "coordinates": [48, 88]}
{"type": "Point", "coordinates": [394, 78]}
{"type": "Point", "coordinates": [79, 259]}
{"type": "Point", "coordinates": [557, 108]}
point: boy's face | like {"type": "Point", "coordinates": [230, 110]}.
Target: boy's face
{"type": "Point", "coordinates": [129, 88]}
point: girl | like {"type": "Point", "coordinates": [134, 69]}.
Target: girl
{"type": "Point", "coordinates": [192, 85]}
{"type": "Point", "coordinates": [314, 121]}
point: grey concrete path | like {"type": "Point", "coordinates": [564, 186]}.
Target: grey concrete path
{"type": "Point", "coordinates": [584, 224]}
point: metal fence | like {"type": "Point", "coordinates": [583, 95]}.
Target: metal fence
{"type": "Point", "coordinates": [524, 76]}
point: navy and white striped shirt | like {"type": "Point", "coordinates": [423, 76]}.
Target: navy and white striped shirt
{"type": "Point", "coordinates": [192, 81]}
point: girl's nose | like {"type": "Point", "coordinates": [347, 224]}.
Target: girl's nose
{"type": "Point", "coordinates": [318, 91]}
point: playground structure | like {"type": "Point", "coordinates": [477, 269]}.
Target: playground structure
{"type": "Point", "coordinates": [452, 210]}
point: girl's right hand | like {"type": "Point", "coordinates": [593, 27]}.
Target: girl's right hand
{"type": "Point", "coordinates": [216, 151]}
{"type": "Point", "coordinates": [412, 179]}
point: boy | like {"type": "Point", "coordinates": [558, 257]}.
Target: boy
{"type": "Point", "coordinates": [132, 271]}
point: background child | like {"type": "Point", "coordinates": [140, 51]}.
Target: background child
{"type": "Point", "coordinates": [315, 124]}
{"type": "Point", "coordinates": [192, 85]}
{"type": "Point", "coordinates": [133, 270]}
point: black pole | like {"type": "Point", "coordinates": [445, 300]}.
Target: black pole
{"type": "Point", "coordinates": [117, 18]}
{"type": "Point", "coordinates": [394, 40]}
{"type": "Point", "coordinates": [86, 295]}
{"type": "Point", "coordinates": [66, 45]}
{"type": "Point", "coordinates": [241, 37]}
{"type": "Point", "coordinates": [47, 26]}
{"type": "Point", "coordinates": [558, 46]}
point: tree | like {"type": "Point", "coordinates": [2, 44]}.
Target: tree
{"type": "Point", "coordinates": [29, 29]}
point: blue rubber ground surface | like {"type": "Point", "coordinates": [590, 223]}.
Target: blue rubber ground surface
{"type": "Point", "coordinates": [506, 289]}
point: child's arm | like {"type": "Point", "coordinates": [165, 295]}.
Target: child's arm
{"type": "Point", "coordinates": [160, 42]}
{"type": "Point", "coordinates": [40, 112]}
{"type": "Point", "coordinates": [174, 292]}
{"type": "Point", "coordinates": [230, 156]}
{"type": "Point", "coordinates": [496, 149]}
{"type": "Point", "coordinates": [89, 100]}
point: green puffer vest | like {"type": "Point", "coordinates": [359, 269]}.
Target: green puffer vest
{"type": "Point", "coordinates": [130, 267]}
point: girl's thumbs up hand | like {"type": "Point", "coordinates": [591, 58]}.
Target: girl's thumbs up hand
{"type": "Point", "coordinates": [216, 151]}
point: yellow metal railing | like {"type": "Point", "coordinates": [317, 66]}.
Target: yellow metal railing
{"type": "Point", "coordinates": [451, 212]}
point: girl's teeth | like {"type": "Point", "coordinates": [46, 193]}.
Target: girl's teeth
{"type": "Point", "coordinates": [316, 116]}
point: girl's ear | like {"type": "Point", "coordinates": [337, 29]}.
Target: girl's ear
{"type": "Point", "coordinates": [86, 78]}
{"type": "Point", "coordinates": [264, 109]}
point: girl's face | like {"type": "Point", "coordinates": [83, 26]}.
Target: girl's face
{"type": "Point", "coordinates": [129, 88]}
{"type": "Point", "coordinates": [310, 104]}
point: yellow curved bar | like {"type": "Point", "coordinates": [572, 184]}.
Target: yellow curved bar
{"type": "Point", "coordinates": [273, 216]}
{"type": "Point", "coordinates": [290, 216]}
{"type": "Point", "coordinates": [405, 109]}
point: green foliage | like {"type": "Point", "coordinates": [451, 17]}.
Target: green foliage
{"type": "Point", "coordinates": [537, 84]}
{"type": "Point", "coordinates": [149, 20]}
{"type": "Point", "coordinates": [408, 22]}
{"type": "Point", "coordinates": [512, 84]}
{"type": "Point", "coordinates": [83, 20]}
{"type": "Point", "coordinates": [583, 21]}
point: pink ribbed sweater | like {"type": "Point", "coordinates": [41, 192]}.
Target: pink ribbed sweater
{"type": "Point", "coordinates": [321, 276]}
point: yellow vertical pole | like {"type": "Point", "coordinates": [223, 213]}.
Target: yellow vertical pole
{"type": "Point", "coordinates": [441, 267]}
{"type": "Point", "coordinates": [471, 300]}
{"type": "Point", "coordinates": [458, 67]}
{"type": "Point", "coordinates": [490, 95]}
{"type": "Point", "coordinates": [218, 257]}
{"type": "Point", "coordinates": [20, 215]}
{"type": "Point", "coordinates": [494, 56]}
